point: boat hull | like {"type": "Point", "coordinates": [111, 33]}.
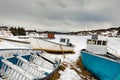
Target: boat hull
{"type": "Point", "coordinates": [48, 46]}
{"type": "Point", "coordinates": [101, 67]}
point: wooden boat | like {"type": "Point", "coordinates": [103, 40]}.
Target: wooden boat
{"type": "Point", "coordinates": [25, 64]}
{"type": "Point", "coordinates": [49, 46]}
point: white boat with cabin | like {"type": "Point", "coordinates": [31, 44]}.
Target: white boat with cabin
{"type": "Point", "coordinates": [41, 44]}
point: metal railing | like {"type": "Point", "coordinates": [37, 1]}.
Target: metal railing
{"type": "Point", "coordinates": [113, 52]}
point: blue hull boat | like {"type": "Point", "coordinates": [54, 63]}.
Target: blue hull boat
{"type": "Point", "coordinates": [105, 68]}
{"type": "Point", "coordinates": [102, 61]}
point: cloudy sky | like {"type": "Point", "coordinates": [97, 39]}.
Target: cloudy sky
{"type": "Point", "coordinates": [60, 15]}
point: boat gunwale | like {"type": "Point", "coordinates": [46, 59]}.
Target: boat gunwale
{"type": "Point", "coordinates": [54, 51]}
{"type": "Point", "coordinates": [17, 49]}
{"type": "Point", "coordinates": [98, 55]}
{"type": "Point", "coordinates": [12, 40]}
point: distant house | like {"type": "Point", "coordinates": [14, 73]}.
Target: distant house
{"type": "Point", "coordinates": [51, 35]}
{"type": "Point", "coordinates": [4, 28]}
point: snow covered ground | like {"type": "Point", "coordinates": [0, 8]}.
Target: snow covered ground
{"type": "Point", "coordinates": [70, 59]}
{"type": "Point", "coordinates": [6, 45]}
{"type": "Point", "coordinates": [80, 43]}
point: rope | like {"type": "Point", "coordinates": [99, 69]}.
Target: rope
{"type": "Point", "coordinates": [62, 50]}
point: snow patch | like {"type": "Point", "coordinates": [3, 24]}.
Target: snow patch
{"type": "Point", "coordinates": [69, 74]}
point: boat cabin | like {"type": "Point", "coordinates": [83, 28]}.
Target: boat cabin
{"type": "Point", "coordinates": [97, 46]}
{"type": "Point", "coordinates": [65, 41]}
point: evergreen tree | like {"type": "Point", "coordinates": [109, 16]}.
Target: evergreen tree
{"type": "Point", "coordinates": [23, 31]}
{"type": "Point", "coordinates": [12, 30]}
{"type": "Point", "coordinates": [118, 32]}
{"type": "Point", "coordinates": [18, 31]}
{"type": "Point", "coordinates": [15, 31]}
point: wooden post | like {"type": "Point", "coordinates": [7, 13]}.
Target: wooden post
{"type": "Point", "coordinates": [62, 50]}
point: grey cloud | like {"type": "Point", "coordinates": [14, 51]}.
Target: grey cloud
{"type": "Point", "coordinates": [61, 4]}
{"type": "Point", "coordinates": [51, 14]}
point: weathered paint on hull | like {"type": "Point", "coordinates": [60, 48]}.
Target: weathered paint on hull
{"type": "Point", "coordinates": [54, 51]}
{"type": "Point", "coordinates": [14, 60]}
{"type": "Point", "coordinates": [101, 67]}
{"type": "Point", "coordinates": [48, 46]}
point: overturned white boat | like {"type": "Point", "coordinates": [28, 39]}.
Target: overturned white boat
{"type": "Point", "coordinates": [25, 64]}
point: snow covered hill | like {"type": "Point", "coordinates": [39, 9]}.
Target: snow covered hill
{"type": "Point", "coordinates": [111, 32]}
